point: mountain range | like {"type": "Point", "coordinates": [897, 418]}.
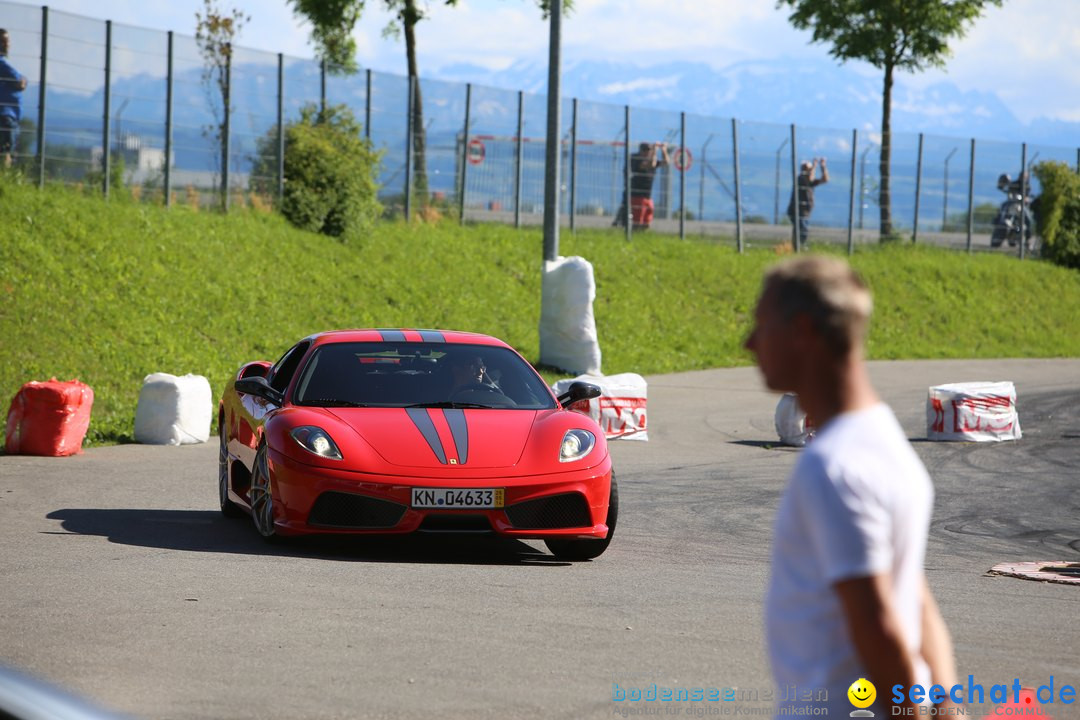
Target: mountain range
{"type": "Point", "coordinates": [819, 94]}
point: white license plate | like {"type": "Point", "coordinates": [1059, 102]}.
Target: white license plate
{"type": "Point", "coordinates": [458, 498]}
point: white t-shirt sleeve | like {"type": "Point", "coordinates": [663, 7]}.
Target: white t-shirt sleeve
{"type": "Point", "coordinates": [847, 524]}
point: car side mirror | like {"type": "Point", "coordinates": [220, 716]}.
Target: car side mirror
{"type": "Point", "coordinates": [259, 387]}
{"type": "Point", "coordinates": [579, 391]}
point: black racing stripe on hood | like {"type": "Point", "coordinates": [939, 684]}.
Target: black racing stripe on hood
{"type": "Point", "coordinates": [432, 336]}
{"type": "Point", "coordinates": [423, 423]}
{"type": "Point", "coordinates": [392, 335]}
{"type": "Point", "coordinates": [460, 430]}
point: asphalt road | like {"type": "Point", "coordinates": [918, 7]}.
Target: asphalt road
{"type": "Point", "coordinates": [120, 580]}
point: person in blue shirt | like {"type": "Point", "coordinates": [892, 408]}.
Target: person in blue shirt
{"type": "Point", "coordinates": [11, 86]}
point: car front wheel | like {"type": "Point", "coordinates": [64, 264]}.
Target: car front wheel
{"type": "Point", "coordinates": [588, 549]}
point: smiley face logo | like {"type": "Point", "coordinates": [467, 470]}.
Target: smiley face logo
{"type": "Point", "coordinates": [862, 693]}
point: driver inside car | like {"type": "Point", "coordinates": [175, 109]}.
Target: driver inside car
{"type": "Point", "coordinates": [469, 373]}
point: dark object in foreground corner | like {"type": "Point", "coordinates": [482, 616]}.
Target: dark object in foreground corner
{"type": "Point", "coordinates": [23, 697]}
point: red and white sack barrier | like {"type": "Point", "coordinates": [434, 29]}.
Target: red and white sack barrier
{"type": "Point", "coordinates": [791, 423]}
{"type": "Point", "coordinates": [49, 418]}
{"type": "Point", "coordinates": [973, 412]}
{"type": "Point", "coordinates": [174, 410]}
{"type": "Point", "coordinates": [620, 409]}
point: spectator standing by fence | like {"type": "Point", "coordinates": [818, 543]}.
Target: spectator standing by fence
{"type": "Point", "coordinates": [11, 86]}
{"type": "Point", "coordinates": [802, 197]}
{"type": "Point", "coordinates": [643, 166]}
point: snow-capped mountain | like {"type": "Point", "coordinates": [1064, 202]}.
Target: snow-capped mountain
{"type": "Point", "coordinates": [819, 94]}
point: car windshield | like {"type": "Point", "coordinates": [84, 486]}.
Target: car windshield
{"type": "Point", "coordinates": [447, 375]}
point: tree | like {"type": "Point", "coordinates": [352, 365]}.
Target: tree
{"type": "Point", "coordinates": [332, 25]}
{"type": "Point", "coordinates": [215, 31]}
{"type": "Point", "coordinates": [331, 171]}
{"type": "Point", "coordinates": [891, 35]}
{"type": "Point", "coordinates": [1057, 213]}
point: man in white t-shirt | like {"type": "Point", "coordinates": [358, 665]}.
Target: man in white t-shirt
{"type": "Point", "coordinates": [848, 598]}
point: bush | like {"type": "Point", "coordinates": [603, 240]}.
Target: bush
{"type": "Point", "coordinates": [330, 171]}
{"type": "Point", "coordinates": [1057, 213]}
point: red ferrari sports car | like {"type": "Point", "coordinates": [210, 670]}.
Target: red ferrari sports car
{"type": "Point", "coordinates": [400, 431]}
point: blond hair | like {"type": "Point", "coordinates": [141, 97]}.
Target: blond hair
{"type": "Point", "coordinates": [829, 292]}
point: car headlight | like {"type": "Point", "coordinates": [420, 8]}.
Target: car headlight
{"type": "Point", "coordinates": [576, 444]}
{"type": "Point", "coordinates": [316, 441]}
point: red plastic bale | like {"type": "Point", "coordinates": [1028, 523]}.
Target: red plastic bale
{"type": "Point", "coordinates": [49, 418]}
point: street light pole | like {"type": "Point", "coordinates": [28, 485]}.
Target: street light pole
{"type": "Point", "coordinates": [551, 164]}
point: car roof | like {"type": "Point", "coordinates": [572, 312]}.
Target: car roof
{"type": "Point", "coordinates": [405, 335]}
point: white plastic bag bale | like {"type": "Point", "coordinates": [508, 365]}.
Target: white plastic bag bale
{"type": "Point", "coordinates": [567, 327]}
{"type": "Point", "coordinates": [791, 423]}
{"type": "Point", "coordinates": [174, 410]}
{"type": "Point", "coordinates": [972, 412]}
{"type": "Point", "coordinates": [621, 408]}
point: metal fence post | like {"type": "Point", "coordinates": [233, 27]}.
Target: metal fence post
{"type": "Point", "coordinates": [518, 157]}
{"type": "Point", "coordinates": [409, 148]}
{"type": "Point", "coordinates": [105, 127]}
{"type": "Point", "coordinates": [945, 199]}
{"type": "Point", "coordinates": [918, 190]}
{"type": "Point", "coordinates": [701, 183]}
{"type": "Point", "coordinates": [1023, 199]}
{"type": "Point", "coordinates": [682, 176]}
{"type": "Point", "coordinates": [794, 192]}
{"type": "Point", "coordinates": [627, 215]}
{"type": "Point", "coordinates": [280, 128]}
{"type": "Point", "coordinates": [738, 185]}
{"type": "Point", "coordinates": [367, 104]}
{"type": "Point", "coordinates": [971, 195]}
{"type": "Point", "coordinates": [464, 156]}
{"type": "Point", "coordinates": [851, 196]}
{"type": "Point", "coordinates": [573, 165]}
{"type": "Point", "coordinates": [225, 129]}
{"type": "Point", "coordinates": [776, 197]}
{"type": "Point", "coordinates": [42, 93]}
{"type": "Point", "coordinates": [862, 184]}
{"type": "Point", "coordinates": [169, 122]}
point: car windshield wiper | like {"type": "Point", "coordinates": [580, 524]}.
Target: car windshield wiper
{"type": "Point", "coordinates": [334, 402]}
{"type": "Point", "coordinates": [450, 404]}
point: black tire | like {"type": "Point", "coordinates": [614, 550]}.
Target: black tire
{"type": "Point", "coordinates": [228, 508]}
{"type": "Point", "coordinates": [262, 497]}
{"type": "Point", "coordinates": [997, 237]}
{"type": "Point", "coordinates": [589, 549]}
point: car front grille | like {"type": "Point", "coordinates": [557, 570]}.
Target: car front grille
{"type": "Point", "coordinates": [345, 510]}
{"type": "Point", "coordinates": [548, 513]}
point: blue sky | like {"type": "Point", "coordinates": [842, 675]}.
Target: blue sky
{"type": "Point", "coordinates": [1028, 51]}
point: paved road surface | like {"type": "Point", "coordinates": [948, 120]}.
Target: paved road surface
{"type": "Point", "coordinates": [118, 578]}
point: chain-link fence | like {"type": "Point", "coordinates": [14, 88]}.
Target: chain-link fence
{"type": "Point", "coordinates": [108, 104]}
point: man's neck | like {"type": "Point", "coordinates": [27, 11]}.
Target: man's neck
{"type": "Point", "coordinates": [835, 387]}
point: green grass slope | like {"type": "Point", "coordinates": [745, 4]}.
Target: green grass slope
{"type": "Point", "coordinates": [108, 292]}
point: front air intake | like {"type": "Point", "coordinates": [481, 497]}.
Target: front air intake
{"type": "Point", "coordinates": [345, 510]}
{"type": "Point", "coordinates": [550, 513]}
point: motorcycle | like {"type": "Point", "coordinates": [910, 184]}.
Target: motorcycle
{"type": "Point", "coordinates": [1016, 207]}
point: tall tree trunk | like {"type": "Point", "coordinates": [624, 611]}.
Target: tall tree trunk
{"type": "Point", "coordinates": [409, 17]}
{"type": "Point", "coordinates": [885, 196]}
